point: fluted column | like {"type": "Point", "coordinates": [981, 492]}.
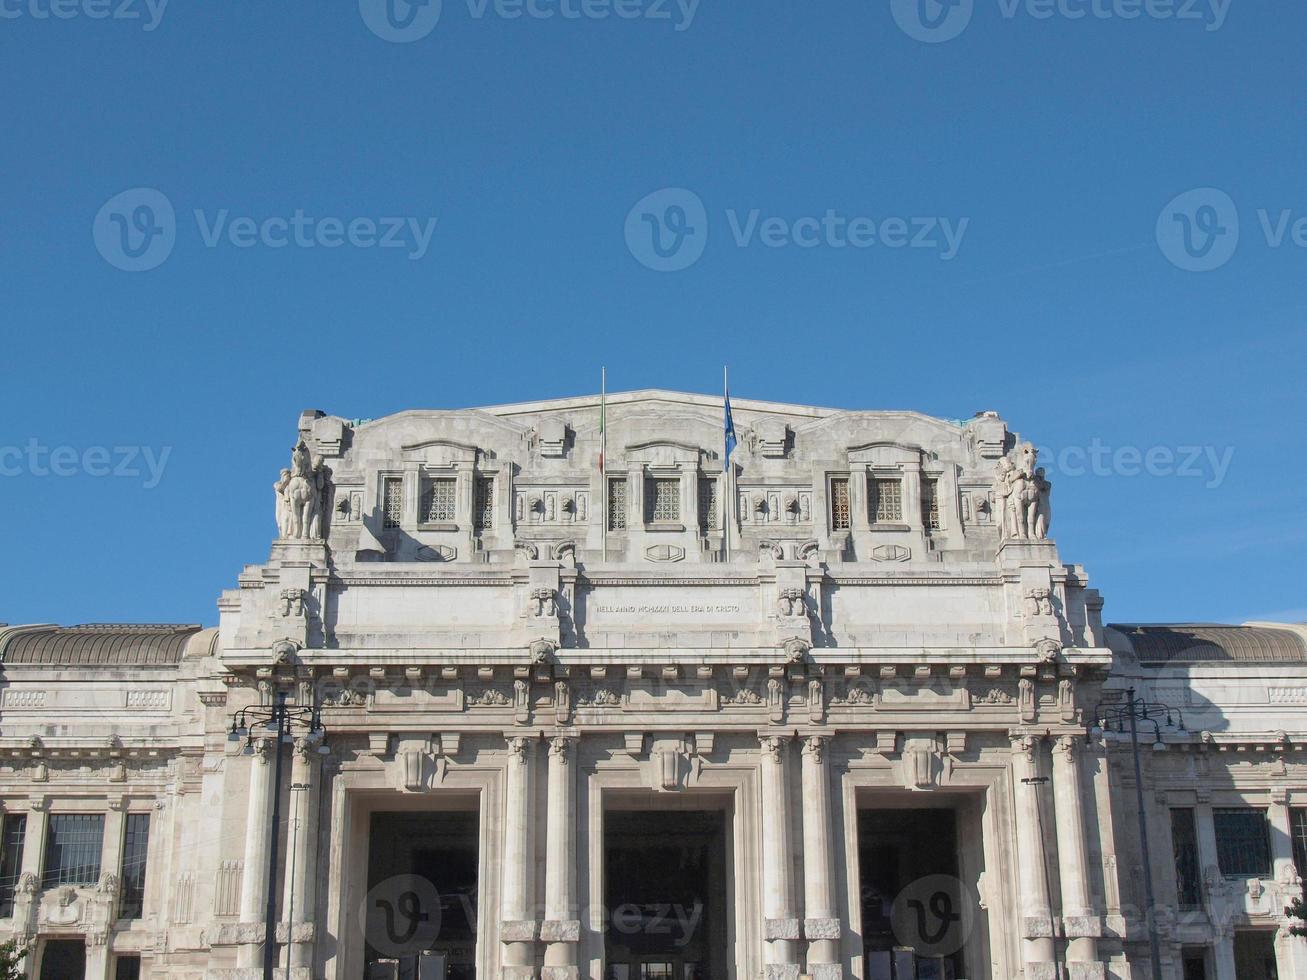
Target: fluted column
{"type": "Point", "coordinates": [821, 924]}
{"type": "Point", "coordinates": [298, 891]}
{"type": "Point", "coordinates": [562, 927]}
{"type": "Point", "coordinates": [254, 882]}
{"type": "Point", "coordinates": [1032, 861]}
{"type": "Point", "coordinates": [517, 926]}
{"type": "Point", "coordinates": [1079, 921]}
{"type": "Point", "coordinates": [780, 925]}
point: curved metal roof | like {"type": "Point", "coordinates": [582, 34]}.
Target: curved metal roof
{"type": "Point", "coordinates": [1188, 643]}
{"type": "Point", "coordinates": [97, 645]}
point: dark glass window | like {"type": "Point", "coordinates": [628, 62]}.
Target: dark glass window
{"type": "Point", "coordinates": [11, 859]}
{"type": "Point", "coordinates": [1298, 828]}
{"type": "Point", "coordinates": [72, 849]}
{"type": "Point", "coordinates": [1243, 845]}
{"type": "Point", "coordinates": [1184, 841]}
{"type": "Point", "coordinates": [127, 968]}
{"type": "Point", "coordinates": [136, 840]}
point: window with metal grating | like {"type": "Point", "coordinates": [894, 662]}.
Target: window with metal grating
{"type": "Point", "coordinates": [136, 840]}
{"type": "Point", "coordinates": [484, 504]}
{"type": "Point", "coordinates": [840, 513]}
{"type": "Point", "coordinates": [617, 505]}
{"type": "Point", "coordinates": [886, 504]}
{"type": "Point", "coordinates": [439, 499]}
{"type": "Point", "coordinates": [392, 502]}
{"type": "Point", "coordinates": [663, 502]}
{"type": "Point", "coordinates": [930, 504]}
{"type": "Point", "coordinates": [1243, 846]}
{"type": "Point", "coordinates": [709, 512]}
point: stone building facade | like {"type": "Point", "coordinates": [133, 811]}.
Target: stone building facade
{"type": "Point", "coordinates": [828, 711]}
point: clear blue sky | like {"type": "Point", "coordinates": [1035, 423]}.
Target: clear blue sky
{"type": "Point", "coordinates": [1060, 141]}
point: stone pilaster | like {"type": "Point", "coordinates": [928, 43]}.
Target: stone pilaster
{"type": "Point", "coordinates": [254, 881]}
{"type": "Point", "coordinates": [1037, 945]}
{"type": "Point", "coordinates": [517, 924]}
{"type": "Point", "coordinates": [1290, 950]}
{"type": "Point", "coordinates": [1080, 923]}
{"type": "Point", "coordinates": [299, 890]}
{"type": "Point", "coordinates": [780, 925]}
{"type": "Point", "coordinates": [562, 927]}
{"type": "Point", "coordinates": [821, 924]}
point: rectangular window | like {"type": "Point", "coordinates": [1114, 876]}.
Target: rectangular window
{"type": "Point", "coordinates": [392, 502]}
{"type": "Point", "coordinates": [709, 513]}
{"type": "Point", "coordinates": [72, 849]}
{"type": "Point", "coordinates": [1184, 841]}
{"type": "Point", "coordinates": [1243, 846]}
{"type": "Point", "coordinates": [11, 859]}
{"type": "Point", "coordinates": [663, 503]}
{"type": "Point", "coordinates": [484, 505]}
{"type": "Point", "coordinates": [438, 501]}
{"type": "Point", "coordinates": [136, 841]}
{"type": "Point", "coordinates": [1298, 829]}
{"type": "Point", "coordinates": [617, 505]}
{"type": "Point", "coordinates": [839, 504]}
{"type": "Point", "coordinates": [127, 968]}
{"type": "Point", "coordinates": [886, 504]}
{"type": "Point", "coordinates": [930, 504]}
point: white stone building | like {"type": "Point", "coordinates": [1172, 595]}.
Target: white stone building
{"type": "Point", "coordinates": [575, 728]}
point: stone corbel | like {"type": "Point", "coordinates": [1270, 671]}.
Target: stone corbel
{"type": "Point", "coordinates": [562, 702]}
{"type": "Point", "coordinates": [521, 701]}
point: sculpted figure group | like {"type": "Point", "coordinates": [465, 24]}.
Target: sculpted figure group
{"type": "Point", "coordinates": [1022, 505]}
{"type": "Point", "coordinates": [299, 492]}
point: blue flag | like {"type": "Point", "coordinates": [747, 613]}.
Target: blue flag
{"type": "Point", "coordinates": [730, 428]}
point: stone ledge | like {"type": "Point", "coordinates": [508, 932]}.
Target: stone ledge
{"type": "Point", "coordinates": [821, 928]}
{"type": "Point", "coordinates": [1086, 971]}
{"type": "Point", "coordinates": [1041, 971]}
{"type": "Point", "coordinates": [781, 971]}
{"type": "Point", "coordinates": [780, 929]}
{"type": "Point", "coordinates": [1036, 927]}
{"type": "Point", "coordinates": [826, 971]}
{"type": "Point", "coordinates": [518, 973]}
{"type": "Point", "coordinates": [560, 973]}
{"type": "Point", "coordinates": [560, 931]}
{"type": "Point", "coordinates": [1082, 927]}
{"type": "Point", "coordinates": [517, 931]}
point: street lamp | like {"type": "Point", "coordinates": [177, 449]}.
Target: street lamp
{"type": "Point", "coordinates": [1134, 711]}
{"type": "Point", "coordinates": [286, 721]}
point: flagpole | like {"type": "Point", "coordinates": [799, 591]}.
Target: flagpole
{"type": "Point", "coordinates": [727, 493]}
{"type": "Point", "coordinates": [603, 456]}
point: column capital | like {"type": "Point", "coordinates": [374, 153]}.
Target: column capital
{"type": "Point", "coordinates": [815, 746]}
{"type": "Point", "coordinates": [562, 747]}
{"type": "Point", "coordinates": [1068, 746]}
{"type": "Point", "coordinates": [774, 746]}
{"type": "Point", "coordinates": [519, 747]}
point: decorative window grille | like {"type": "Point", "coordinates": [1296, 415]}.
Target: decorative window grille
{"type": "Point", "coordinates": [136, 840]}
{"type": "Point", "coordinates": [392, 502]}
{"type": "Point", "coordinates": [886, 501]}
{"type": "Point", "coordinates": [840, 513]}
{"type": "Point", "coordinates": [663, 502]}
{"type": "Point", "coordinates": [709, 511]}
{"type": "Point", "coordinates": [1184, 842]}
{"type": "Point", "coordinates": [484, 505]}
{"type": "Point", "coordinates": [72, 849]}
{"type": "Point", "coordinates": [617, 505]}
{"type": "Point", "coordinates": [439, 501]}
{"type": "Point", "coordinates": [11, 859]}
{"type": "Point", "coordinates": [1298, 830]}
{"type": "Point", "coordinates": [1243, 846]}
{"type": "Point", "coordinates": [930, 504]}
